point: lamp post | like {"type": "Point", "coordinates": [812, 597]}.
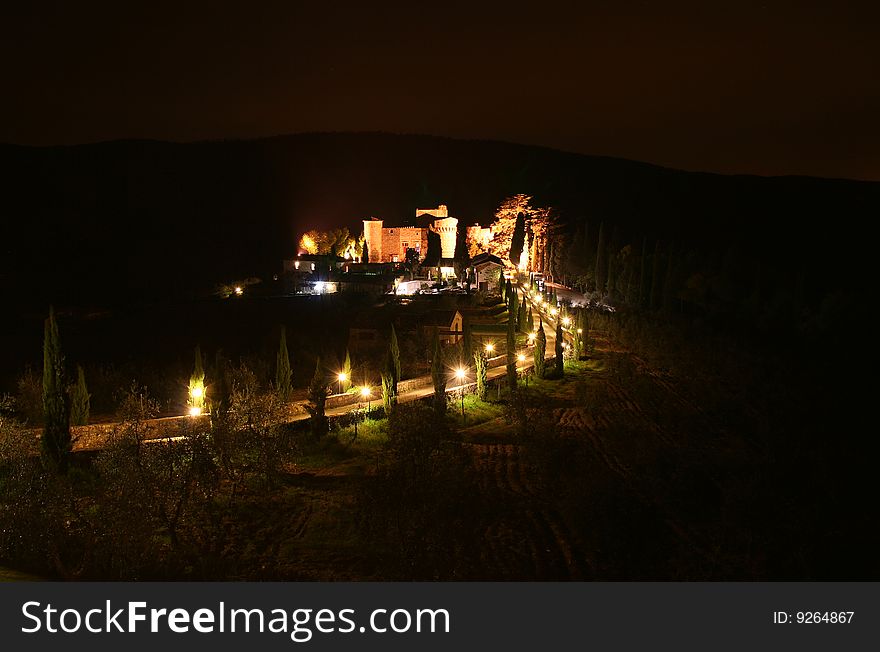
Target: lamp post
{"type": "Point", "coordinates": [522, 358]}
{"type": "Point", "coordinates": [196, 399]}
{"type": "Point", "coordinates": [460, 374]}
{"type": "Point", "coordinates": [366, 394]}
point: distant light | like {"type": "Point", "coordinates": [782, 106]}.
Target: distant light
{"type": "Point", "coordinates": [459, 373]}
{"type": "Point", "coordinates": [580, 330]}
{"type": "Point", "coordinates": [566, 321]}
{"type": "Point", "coordinates": [343, 377]}
{"type": "Point", "coordinates": [195, 411]}
{"type": "Point", "coordinates": [521, 357]}
{"type": "Point", "coordinates": [238, 290]}
{"type": "Point", "coordinates": [490, 347]}
{"type": "Point", "coordinates": [319, 287]}
{"type": "Point", "coordinates": [365, 392]}
{"type": "Point", "coordinates": [554, 312]}
{"type": "Point", "coordinates": [532, 337]}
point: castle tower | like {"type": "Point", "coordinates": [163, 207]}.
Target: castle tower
{"type": "Point", "coordinates": [373, 237]}
{"type": "Point", "coordinates": [447, 228]}
{"type": "Point", "coordinates": [440, 212]}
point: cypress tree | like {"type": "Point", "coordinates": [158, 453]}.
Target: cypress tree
{"type": "Point", "coordinates": [467, 341]}
{"type": "Point", "coordinates": [601, 263]}
{"type": "Point", "coordinates": [513, 306]}
{"type": "Point", "coordinates": [394, 350]}
{"type": "Point", "coordinates": [559, 351]}
{"type": "Point", "coordinates": [346, 369]}
{"type": "Point", "coordinates": [481, 374]}
{"type": "Point", "coordinates": [438, 374]}
{"type": "Point", "coordinates": [56, 442]}
{"type": "Point", "coordinates": [530, 322]}
{"type": "Point", "coordinates": [79, 400]}
{"type": "Point", "coordinates": [318, 390]}
{"type": "Point", "coordinates": [365, 253]}
{"type": "Point", "coordinates": [540, 349]}
{"type": "Point", "coordinates": [283, 374]}
{"type": "Point", "coordinates": [389, 386]}
{"type": "Point", "coordinates": [521, 318]}
{"type": "Point", "coordinates": [197, 382]}
{"type": "Point", "coordinates": [511, 352]}
{"type": "Point", "coordinates": [518, 239]}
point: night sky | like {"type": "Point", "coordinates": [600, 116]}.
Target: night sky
{"type": "Point", "coordinates": [740, 86]}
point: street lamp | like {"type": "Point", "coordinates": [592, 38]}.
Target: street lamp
{"type": "Point", "coordinates": [342, 377]}
{"type": "Point", "coordinates": [366, 395]}
{"type": "Point", "coordinates": [489, 348]}
{"type": "Point", "coordinates": [460, 374]}
{"type": "Point", "coordinates": [522, 358]}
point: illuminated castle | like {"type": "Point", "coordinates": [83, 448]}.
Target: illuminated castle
{"type": "Point", "coordinates": [389, 244]}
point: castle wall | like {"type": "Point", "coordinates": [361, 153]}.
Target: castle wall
{"type": "Point", "coordinates": [390, 244]}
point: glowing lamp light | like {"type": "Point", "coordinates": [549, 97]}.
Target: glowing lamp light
{"type": "Point", "coordinates": [238, 290]}
{"type": "Point", "coordinates": [532, 337]}
{"type": "Point", "coordinates": [554, 312]}
{"type": "Point", "coordinates": [566, 321]}
{"type": "Point", "coordinates": [198, 391]}
{"type": "Point", "coordinates": [580, 331]}
{"type": "Point", "coordinates": [195, 411]}
{"type": "Point", "coordinates": [459, 373]}
{"type": "Point", "coordinates": [342, 377]}
{"type": "Point", "coordinates": [521, 357]}
{"type": "Point", "coordinates": [365, 392]}
{"type": "Point", "coordinates": [490, 347]}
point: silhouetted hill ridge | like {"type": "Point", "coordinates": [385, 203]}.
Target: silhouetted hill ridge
{"type": "Point", "coordinates": [123, 220]}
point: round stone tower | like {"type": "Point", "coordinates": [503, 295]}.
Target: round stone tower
{"type": "Point", "coordinates": [373, 237]}
{"type": "Point", "coordinates": [447, 228]}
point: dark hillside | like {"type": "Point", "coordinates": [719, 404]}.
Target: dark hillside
{"type": "Point", "coordinates": [122, 221]}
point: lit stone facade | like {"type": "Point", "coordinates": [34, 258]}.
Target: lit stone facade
{"type": "Point", "coordinates": [447, 228]}
{"type": "Point", "coordinates": [389, 244]}
{"type": "Point", "coordinates": [440, 212]}
{"type": "Point", "coordinates": [373, 238]}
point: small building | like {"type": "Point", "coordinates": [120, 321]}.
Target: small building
{"type": "Point", "coordinates": [311, 274]}
{"type": "Point", "coordinates": [449, 324]}
{"type": "Point", "coordinates": [487, 272]}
